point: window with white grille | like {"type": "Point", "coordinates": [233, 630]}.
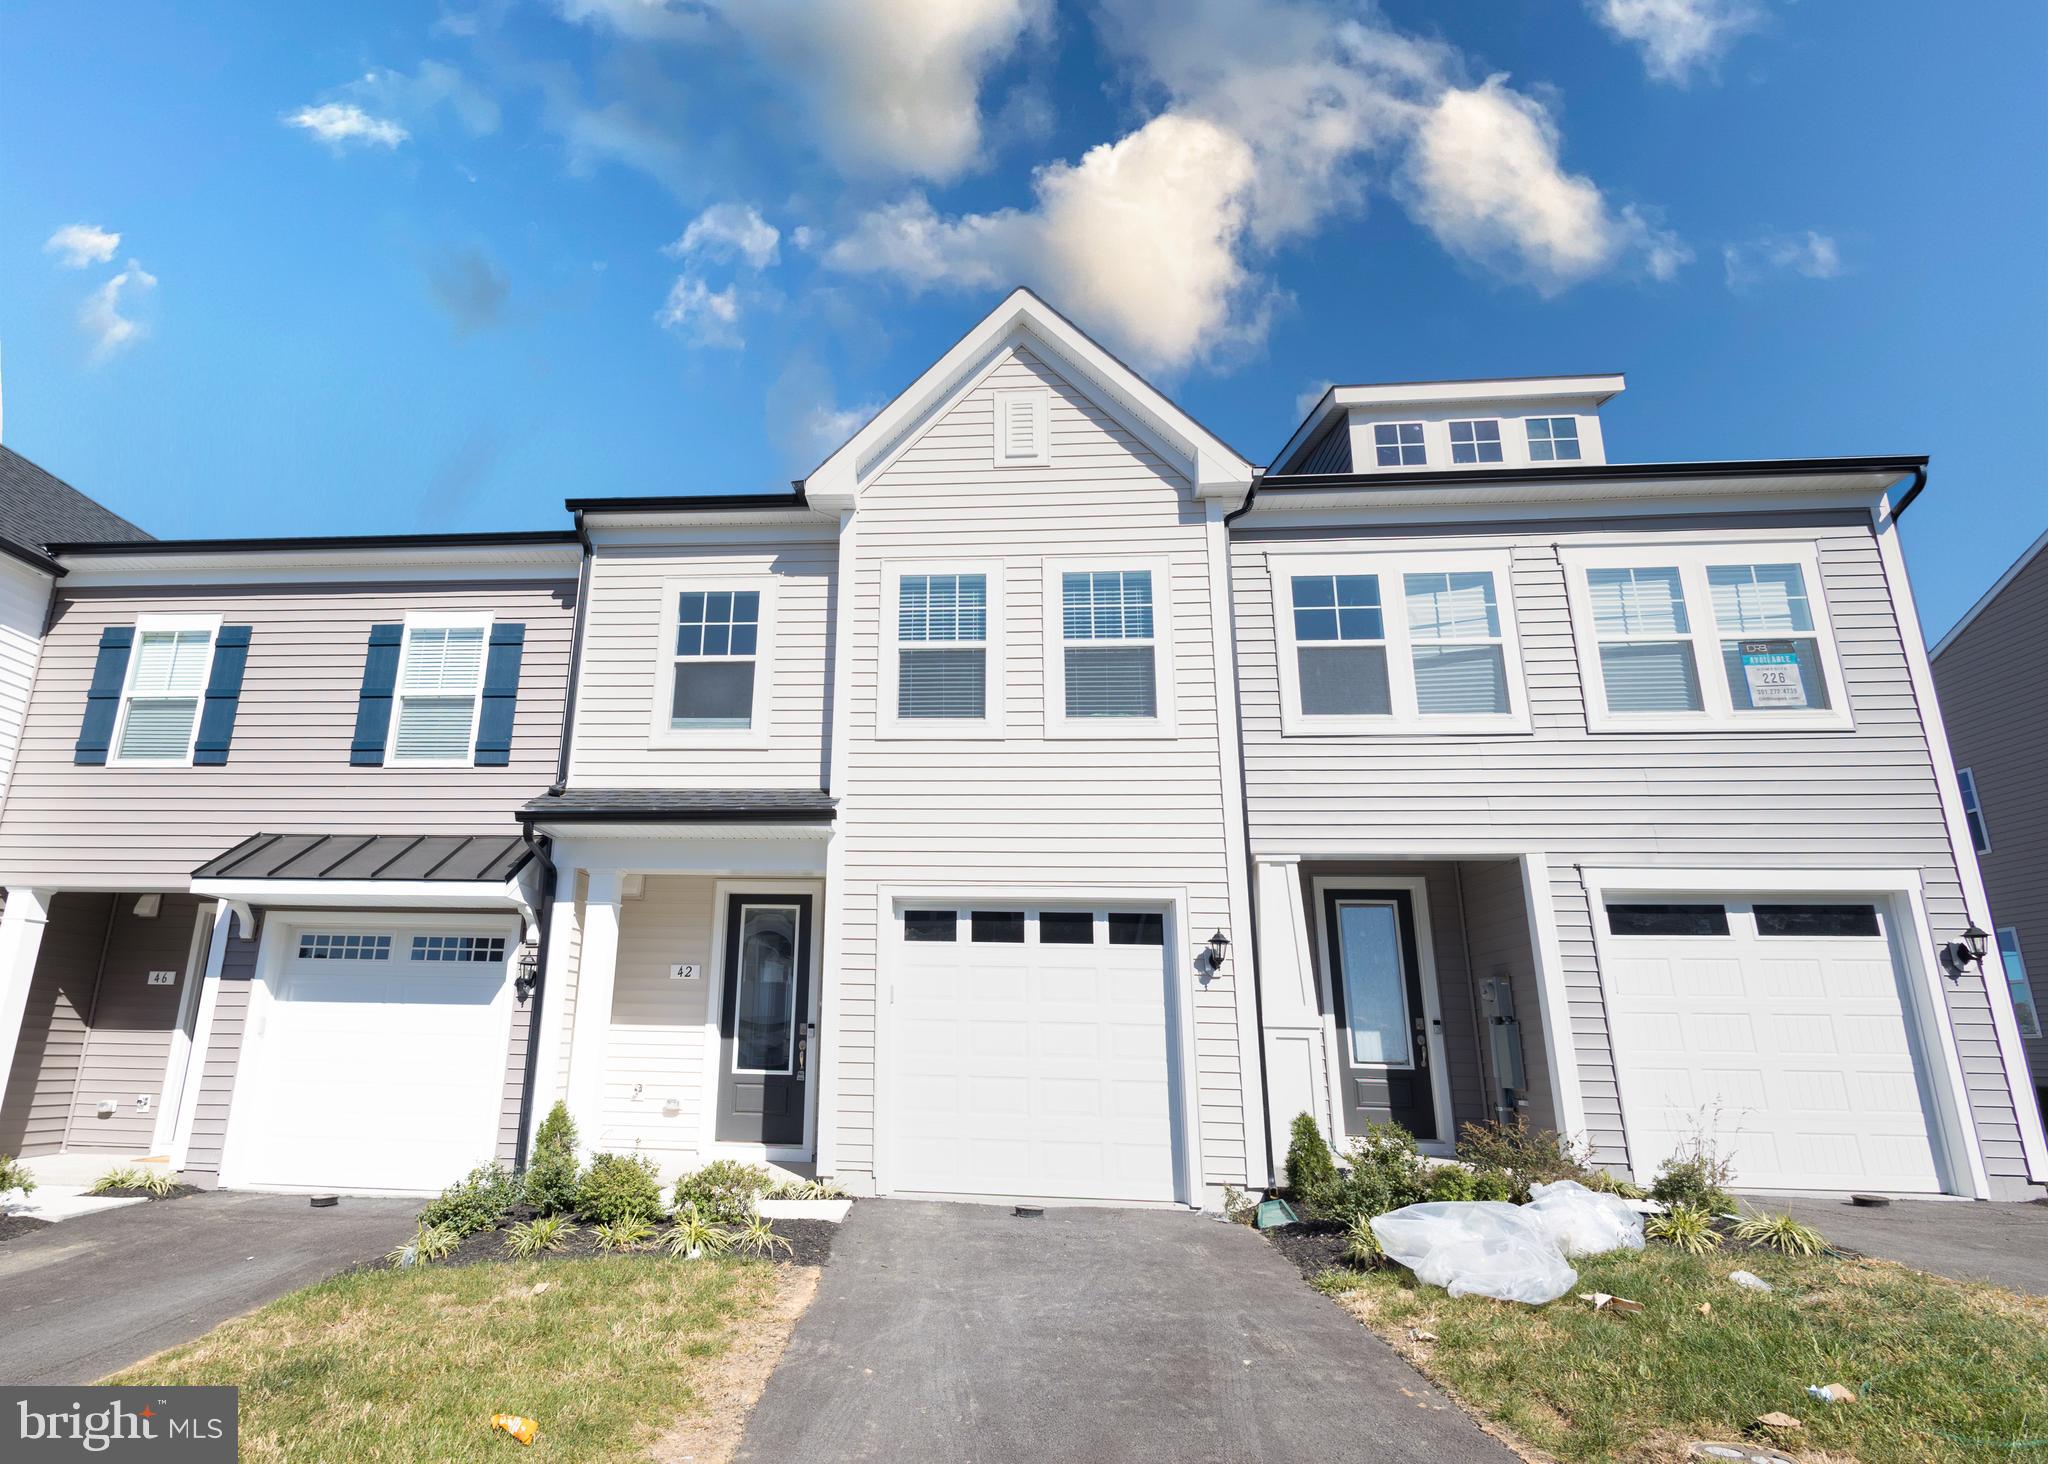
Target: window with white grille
{"type": "Point", "coordinates": [942, 647]}
{"type": "Point", "coordinates": [480, 949]}
{"type": "Point", "coordinates": [440, 679]}
{"type": "Point", "coordinates": [1023, 427]}
{"type": "Point", "coordinates": [337, 945]}
{"type": "Point", "coordinates": [167, 673]}
{"type": "Point", "coordinates": [1108, 647]}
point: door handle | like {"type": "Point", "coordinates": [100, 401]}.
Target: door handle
{"type": "Point", "coordinates": [803, 1049]}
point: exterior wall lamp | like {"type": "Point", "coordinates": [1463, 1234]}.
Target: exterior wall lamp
{"type": "Point", "coordinates": [1218, 948]}
{"type": "Point", "coordinates": [1960, 955]}
{"type": "Point", "coordinates": [528, 970]}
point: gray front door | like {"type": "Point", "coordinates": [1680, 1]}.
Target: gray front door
{"type": "Point", "coordinates": [1382, 1036]}
{"type": "Point", "coordinates": [763, 1027]}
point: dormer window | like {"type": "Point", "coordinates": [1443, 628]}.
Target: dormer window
{"type": "Point", "coordinates": [1398, 444]}
{"type": "Point", "coordinates": [1477, 442]}
{"type": "Point", "coordinates": [1553, 439]}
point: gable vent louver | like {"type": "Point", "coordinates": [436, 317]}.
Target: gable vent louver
{"type": "Point", "coordinates": [1022, 432]}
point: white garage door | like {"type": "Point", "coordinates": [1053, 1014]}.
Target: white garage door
{"type": "Point", "coordinates": [1781, 1025]}
{"type": "Point", "coordinates": [380, 1061]}
{"type": "Point", "coordinates": [1029, 1055]}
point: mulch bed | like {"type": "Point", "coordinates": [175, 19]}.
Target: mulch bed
{"type": "Point", "coordinates": [810, 1244]}
{"type": "Point", "coordinates": [1315, 1246]}
{"type": "Point", "coordinates": [133, 1192]}
{"type": "Point", "coordinates": [16, 1225]}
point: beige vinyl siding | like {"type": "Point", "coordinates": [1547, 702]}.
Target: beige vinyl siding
{"type": "Point", "coordinates": [288, 768]}
{"type": "Point", "coordinates": [627, 650]}
{"type": "Point", "coordinates": [1497, 928]}
{"type": "Point", "coordinates": [36, 1112]}
{"type": "Point", "coordinates": [1050, 815]}
{"type": "Point", "coordinates": [1993, 683]}
{"type": "Point", "coordinates": [1865, 798]}
{"type": "Point", "coordinates": [222, 1059]}
{"type": "Point", "coordinates": [657, 1041]}
{"type": "Point", "coordinates": [511, 1108]}
{"type": "Point", "coordinates": [24, 605]}
{"type": "Point", "coordinates": [128, 1040]}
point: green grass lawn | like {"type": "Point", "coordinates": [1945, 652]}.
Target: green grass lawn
{"type": "Point", "coordinates": [408, 1366]}
{"type": "Point", "coordinates": [1942, 1370]}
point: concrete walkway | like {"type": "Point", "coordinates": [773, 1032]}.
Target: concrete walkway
{"type": "Point", "coordinates": [959, 1333]}
{"type": "Point", "coordinates": [1969, 1241]}
{"type": "Point", "coordinates": [88, 1297]}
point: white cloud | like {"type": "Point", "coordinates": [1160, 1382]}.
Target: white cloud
{"type": "Point", "coordinates": [101, 319]}
{"type": "Point", "coordinates": [416, 97]}
{"type": "Point", "coordinates": [1810, 253]}
{"type": "Point", "coordinates": [1485, 178]}
{"type": "Point", "coordinates": [340, 123]}
{"type": "Point", "coordinates": [704, 316]}
{"type": "Point", "coordinates": [725, 230]}
{"type": "Point", "coordinates": [82, 244]}
{"type": "Point", "coordinates": [1677, 36]}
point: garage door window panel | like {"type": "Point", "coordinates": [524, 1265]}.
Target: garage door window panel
{"type": "Point", "coordinates": [321, 945]}
{"type": "Point", "coordinates": [1816, 920]}
{"type": "Point", "coordinates": [1066, 927]}
{"type": "Point", "coordinates": [998, 927]}
{"type": "Point", "coordinates": [1667, 919]}
{"type": "Point", "coordinates": [931, 925]}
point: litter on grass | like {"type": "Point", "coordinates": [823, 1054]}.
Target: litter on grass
{"type": "Point", "coordinates": [1833, 1393]}
{"type": "Point", "coordinates": [1477, 1248]}
{"type": "Point", "coordinates": [1746, 1453]}
{"type": "Point", "coordinates": [1585, 1222]}
{"type": "Point", "coordinates": [1749, 1281]}
{"type": "Point", "coordinates": [1780, 1422]}
{"type": "Point", "coordinates": [522, 1429]}
{"type": "Point", "coordinates": [1603, 1302]}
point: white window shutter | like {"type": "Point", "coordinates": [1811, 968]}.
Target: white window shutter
{"type": "Point", "coordinates": [1023, 427]}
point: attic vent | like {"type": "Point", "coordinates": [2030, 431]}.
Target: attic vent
{"type": "Point", "coordinates": [1023, 439]}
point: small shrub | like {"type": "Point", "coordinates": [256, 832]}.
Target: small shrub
{"type": "Point", "coordinates": [551, 1172]}
{"type": "Point", "coordinates": [477, 1201]}
{"type": "Point", "coordinates": [1384, 1173]}
{"type": "Point", "coordinates": [1688, 1227]}
{"type": "Point", "coordinates": [1361, 1246]}
{"type": "Point", "coordinates": [428, 1243]}
{"type": "Point", "coordinates": [1448, 1182]}
{"type": "Point", "coordinates": [120, 1177]}
{"type": "Point", "coordinates": [1782, 1233]}
{"type": "Point", "coordinates": [1526, 1156]}
{"type": "Point", "coordinates": [1496, 1185]}
{"type": "Point", "coordinates": [617, 1186]}
{"type": "Point", "coordinates": [1309, 1165]}
{"type": "Point", "coordinates": [806, 1189]}
{"type": "Point", "coordinates": [758, 1238]}
{"type": "Point", "coordinates": [693, 1236]}
{"type": "Point", "coordinates": [546, 1233]}
{"type": "Point", "coordinates": [1239, 1208]}
{"type": "Point", "coordinates": [1697, 1176]}
{"type": "Point", "coordinates": [1605, 1183]}
{"type": "Point", "coordinates": [725, 1191]}
{"type": "Point", "coordinates": [14, 1176]}
{"type": "Point", "coordinates": [628, 1234]}
{"type": "Point", "coordinates": [158, 1180]}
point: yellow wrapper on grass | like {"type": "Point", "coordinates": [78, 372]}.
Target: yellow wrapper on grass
{"type": "Point", "coordinates": [522, 1429]}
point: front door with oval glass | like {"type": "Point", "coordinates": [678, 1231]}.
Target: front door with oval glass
{"type": "Point", "coordinates": [764, 1028]}
{"type": "Point", "coordinates": [1376, 985]}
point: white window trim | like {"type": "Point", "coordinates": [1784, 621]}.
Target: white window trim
{"type": "Point", "coordinates": [991, 724]}
{"type": "Point", "coordinates": [1966, 784]}
{"type": "Point", "coordinates": [660, 730]}
{"type": "Point", "coordinates": [1057, 722]}
{"type": "Point", "coordinates": [2033, 997]}
{"type": "Point", "coordinates": [145, 623]}
{"type": "Point", "coordinates": [1692, 559]}
{"type": "Point", "coordinates": [1500, 442]}
{"type": "Point", "coordinates": [1040, 400]}
{"type": "Point", "coordinates": [1390, 566]}
{"type": "Point", "coordinates": [438, 620]}
{"type": "Point", "coordinates": [1578, 438]}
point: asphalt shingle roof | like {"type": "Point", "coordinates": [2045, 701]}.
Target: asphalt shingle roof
{"type": "Point", "coordinates": [655, 805]}
{"type": "Point", "coordinates": [37, 509]}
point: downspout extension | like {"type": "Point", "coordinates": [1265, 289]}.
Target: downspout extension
{"type": "Point", "coordinates": [1906, 499]}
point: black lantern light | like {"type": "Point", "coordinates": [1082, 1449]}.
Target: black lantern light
{"type": "Point", "coordinates": [1970, 950]}
{"type": "Point", "coordinates": [1219, 947]}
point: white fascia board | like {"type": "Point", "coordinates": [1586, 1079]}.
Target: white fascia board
{"type": "Point", "coordinates": [1984, 600]}
{"type": "Point", "coordinates": [740, 526]}
{"type": "Point", "coordinates": [1216, 470]}
{"type": "Point", "coordinates": [1593, 389]}
{"type": "Point", "coordinates": [1851, 491]}
{"type": "Point", "coordinates": [384, 894]}
{"type": "Point", "coordinates": [312, 566]}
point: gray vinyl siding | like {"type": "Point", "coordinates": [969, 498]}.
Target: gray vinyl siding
{"type": "Point", "coordinates": [1332, 451]}
{"type": "Point", "coordinates": [288, 768]}
{"type": "Point", "coordinates": [1497, 929]}
{"type": "Point", "coordinates": [509, 1109]}
{"type": "Point", "coordinates": [221, 1060]}
{"type": "Point", "coordinates": [1860, 799]}
{"type": "Point", "coordinates": [128, 1038]}
{"type": "Point", "coordinates": [36, 1111]}
{"type": "Point", "coordinates": [1993, 683]}
{"type": "Point", "coordinates": [1066, 815]}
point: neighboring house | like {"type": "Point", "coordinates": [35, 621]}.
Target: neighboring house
{"type": "Point", "coordinates": [1992, 672]}
{"type": "Point", "coordinates": [267, 893]}
{"type": "Point", "coordinates": [1037, 801]}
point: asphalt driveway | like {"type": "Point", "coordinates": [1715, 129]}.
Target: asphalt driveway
{"type": "Point", "coordinates": [85, 1297]}
{"type": "Point", "coordinates": [2006, 1244]}
{"type": "Point", "coordinates": [959, 1333]}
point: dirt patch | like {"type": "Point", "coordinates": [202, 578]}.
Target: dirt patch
{"type": "Point", "coordinates": [1315, 1246]}
{"type": "Point", "coordinates": [713, 1436]}
{"type": "Point", "coordinates": [17, 1225]}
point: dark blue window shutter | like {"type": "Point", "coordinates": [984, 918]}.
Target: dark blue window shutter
{"type": "Point", "coordinates": [103, 699]}
{"type": "Point", "coordinates": [223, 696]}
{"type": "Point", "coordinates": [373, 709]}
{"type": "Point", "coordinates": [501, 696]}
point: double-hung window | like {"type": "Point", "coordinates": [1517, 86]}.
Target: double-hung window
{"type": "Point", "coordinates": [1475, 442]}
{"type": "Point", "coordinates": [1973, 811]}
{"type": "Point", "coordinates": [1108, 649]}
{"type": "Point", "coordinates": [440, 681]}
{"type": "Point", "coordinates": [167, 674]}
{"type": "Point", "coordinates": [2025, 1012]}
{"type": "Point", "coordinates": [1692, 635]}
{"type": "Point", "coordinates": [944, 662]}
{"type": "Point", "coordinates": [1553, 439]}
{"type": "Point", "coordinates": [1398, 642]}
{"type": "Point", "coordinates": [718, 641]}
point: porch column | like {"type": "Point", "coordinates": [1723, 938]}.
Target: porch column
{"type": "Point", "coordinates": [208, 977]}
{"type": "Point", "coordinates": [595, 973]}
{"type": "Point", "coordinates": [21, 941]}
{"type": "Point", "coordinates": [1297, 1073]}
{"type": "Point", "coordinates": [554, 995]}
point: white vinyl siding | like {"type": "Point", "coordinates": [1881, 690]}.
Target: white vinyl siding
{"type": "Point", "coordinates": [168, 666]}
{"type": "Point", "coordinates": [440, 680]}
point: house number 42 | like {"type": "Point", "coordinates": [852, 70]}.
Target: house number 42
{"type": "Point", "coordinates": [684, 971]}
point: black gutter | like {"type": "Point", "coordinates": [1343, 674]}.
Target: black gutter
{"type": "Point", "coordinates": [687, 503]}
{"type": "Point", "coordinates": [1919, 482]}
{"type": "Point", "coordinates": [513, 538]}
{"type": "Point", "coordinates": [575, 657]}
{"type": "Point", "coordinates": [1597, 472]}
{"type": "Point", "coordinates": [541, 849]}
{"type": "Point", "coordinates": [31, 558]}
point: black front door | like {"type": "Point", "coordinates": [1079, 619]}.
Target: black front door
{"type": "Point", "coordinates": [1382, 1028]}
{"type": "Point", "coordinates": [764, 1032]}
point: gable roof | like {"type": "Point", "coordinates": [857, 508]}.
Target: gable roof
{"type": "Point", "coordinates": [1984, 600]}
{"type": "Point", "coordinates": [1209, 463]}
{"type": "Point", "coordinates": [38, 509]}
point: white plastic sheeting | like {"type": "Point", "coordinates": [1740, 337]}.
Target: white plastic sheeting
{"type": "Point", "coordinates": [1584, 1222]}
{"type": "Point", "coordinates": [1509, 1252]}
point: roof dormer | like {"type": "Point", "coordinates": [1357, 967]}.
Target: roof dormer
{"type": "Point", "coordinates": [1450, 426]}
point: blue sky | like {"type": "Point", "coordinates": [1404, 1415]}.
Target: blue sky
{"type": "Point", "coordinates": [393, 268]}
